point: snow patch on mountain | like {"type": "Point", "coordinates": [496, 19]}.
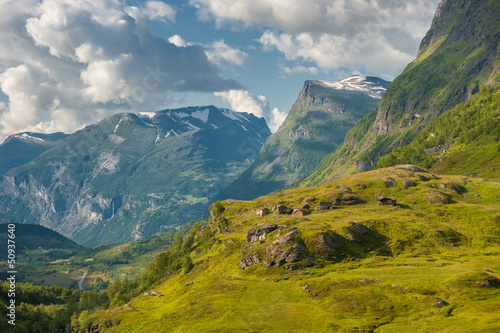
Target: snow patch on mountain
{"type": "Point", "coordinates": [108, 162]}
{"type": "Point", "coordinates": [357, 83]}
{"type": "Point", "coordinates": [201, 114]}
{"type": "Point", "coordinates": [117, 125]}
{"type": "Point", "coordinates": [191, 125]}
{"type": "Point", "coordinates": [233, 115]}
{"type": "Point", "coordinates": [26, 136]}
{"type": "Point", "coordinates": [149, 115]}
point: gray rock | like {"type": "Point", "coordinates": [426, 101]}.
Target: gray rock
{"type": "Point", "coordinates": [423, 178]}
{"type": "Point", "coordinates": [260, 233]}
{"type": "Point", "coordinates": [249, 261]}
{"type": "Point", "coordinates": [408, 183]}
{"type": "Point", "coordinates": [389, 182]}
{"type": "Point", "coordinates": [326, 244]}
{"type": "Point", "coordinates": [286, 238]}
{"type": "Point", "coordinates": [457, 188]}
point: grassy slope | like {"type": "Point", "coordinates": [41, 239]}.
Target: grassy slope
{"type": "Point", "coordinates": [472, 130]}
{"type": "Point", "coordinates": [458, 56]}
{"type": "Point", "coordinates": [431, 267]}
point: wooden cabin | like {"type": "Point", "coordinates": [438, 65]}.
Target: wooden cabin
{"type": "Point", "coordinates": [325, 206]}
{"type": "Point", "coordinates": [300, 212]}
{"type": "Point", "coordinates": [282, 209]}
{"type": "Point", "coordinates": [262, 211]}
{"type": "Point", "coordinates": [387, 202]}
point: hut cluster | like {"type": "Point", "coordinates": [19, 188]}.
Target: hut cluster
{"type": "Point", "coordinates": [305, 209]}
{"type": "Point", "coordinates": [297, 211]}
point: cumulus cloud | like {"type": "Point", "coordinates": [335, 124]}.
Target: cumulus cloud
{"type": "Point", "coordinates": [244, 101]}
{"type": "Point", "coordinates": [224, 56]}
{"type": "Point", "coordinates": [67, 63]}
{"type": "Point", "coordinates": [218, 52]}
{"type": "Point", "coordinates": [299, 69]}
{"type": "Point", "coordinates": [157, 10]}
{"type": "Point", "coordinates": [379, 36]}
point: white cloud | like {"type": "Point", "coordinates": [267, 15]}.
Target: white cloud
{"type": "Point", "coordinates": [331, 52]}
{"type": "Point", "coordinates": [299, 69]}
{"type": "Point", "coordinates": [244, 101]}
{"type": "Point", "coordinates": [223, 55]}
{"type": "Point", "coordinates": [178, 41]}
{"type": "Point", "coordinates": [380, 36]}
{"type": "Point", "coordinates": [218, 52]}
{"type": "Point", "coordinates": [67, 63]}
{"type": "Point", "coordinates": [157, 10]}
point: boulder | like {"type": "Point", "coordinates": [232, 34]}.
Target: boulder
{"type": "Point", "coordinates": [457, 188]}
{"type": "Point", "coordinates": [249, 261]}
{"type": "Point", "coordinates": [389, 182]}
{"type": "Point", "coordinates": [286, 238]}
{"type": "Point", "coordinates": [326, 244]}
{"type": "Point", "coordinates": [408, 183]}
{"type": "Point", "coordinates": [422, 178]}
{"type": "Point", "coordinates": [436, 197]}
{"type": "Point", "coordinates": [260, 233]}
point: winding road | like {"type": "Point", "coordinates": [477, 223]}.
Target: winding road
{"type": "Point", "coordinates": [80, 284]}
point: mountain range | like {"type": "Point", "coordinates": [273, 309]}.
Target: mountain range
{"type": "Point", "coordinates": [131, 175]}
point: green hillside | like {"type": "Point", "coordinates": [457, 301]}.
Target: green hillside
{"type": "Point", "coordinates": [464, 140]}
{"type": "Point", "coordinates": [430, 262]}
{"type": "Point", "coordinates": [458, 56]}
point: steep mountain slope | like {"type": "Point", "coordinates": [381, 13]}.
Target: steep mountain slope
{"type": "Point", "coordinates": [464, 140]}
{"type": "Point", "coordinates": [133, 175]}
{"type": "Point", "coordinates": [19, 149]}
{"type": "Point", "coordinates": [34, 237]}
{"type": "Point", "coordinates": [315, 126]}
{"type": "Point", "coordinates": [459, 55]}
{"type": "Point", "coordinates": [430, 261]}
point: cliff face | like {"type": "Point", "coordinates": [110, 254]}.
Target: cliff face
{"type": "Point", "coordinates": [458, 56]}
{"type": "Point", "coordinates": [316, 125]}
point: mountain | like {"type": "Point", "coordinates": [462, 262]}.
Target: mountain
{"type": "Point", "coordinates": [431, 261]}
{"type": "Point", "coordinates": [35, 237]}
{"type": "Point", "coordinates": [458, 56]}
{"type": "Point", "coordinates": [464, 140]}
{"type": "Point", "coordinates": [133, 175]}
{"type": "Point", "coordinates": [315, 126]}
{"type": "Point", "coordinates": [19, 149]}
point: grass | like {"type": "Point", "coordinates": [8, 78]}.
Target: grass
{"type": "Point", "coordinates": [436, 269]}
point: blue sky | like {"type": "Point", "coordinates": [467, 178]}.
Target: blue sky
{"type": "Point", "coordinates": [67, 63]}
